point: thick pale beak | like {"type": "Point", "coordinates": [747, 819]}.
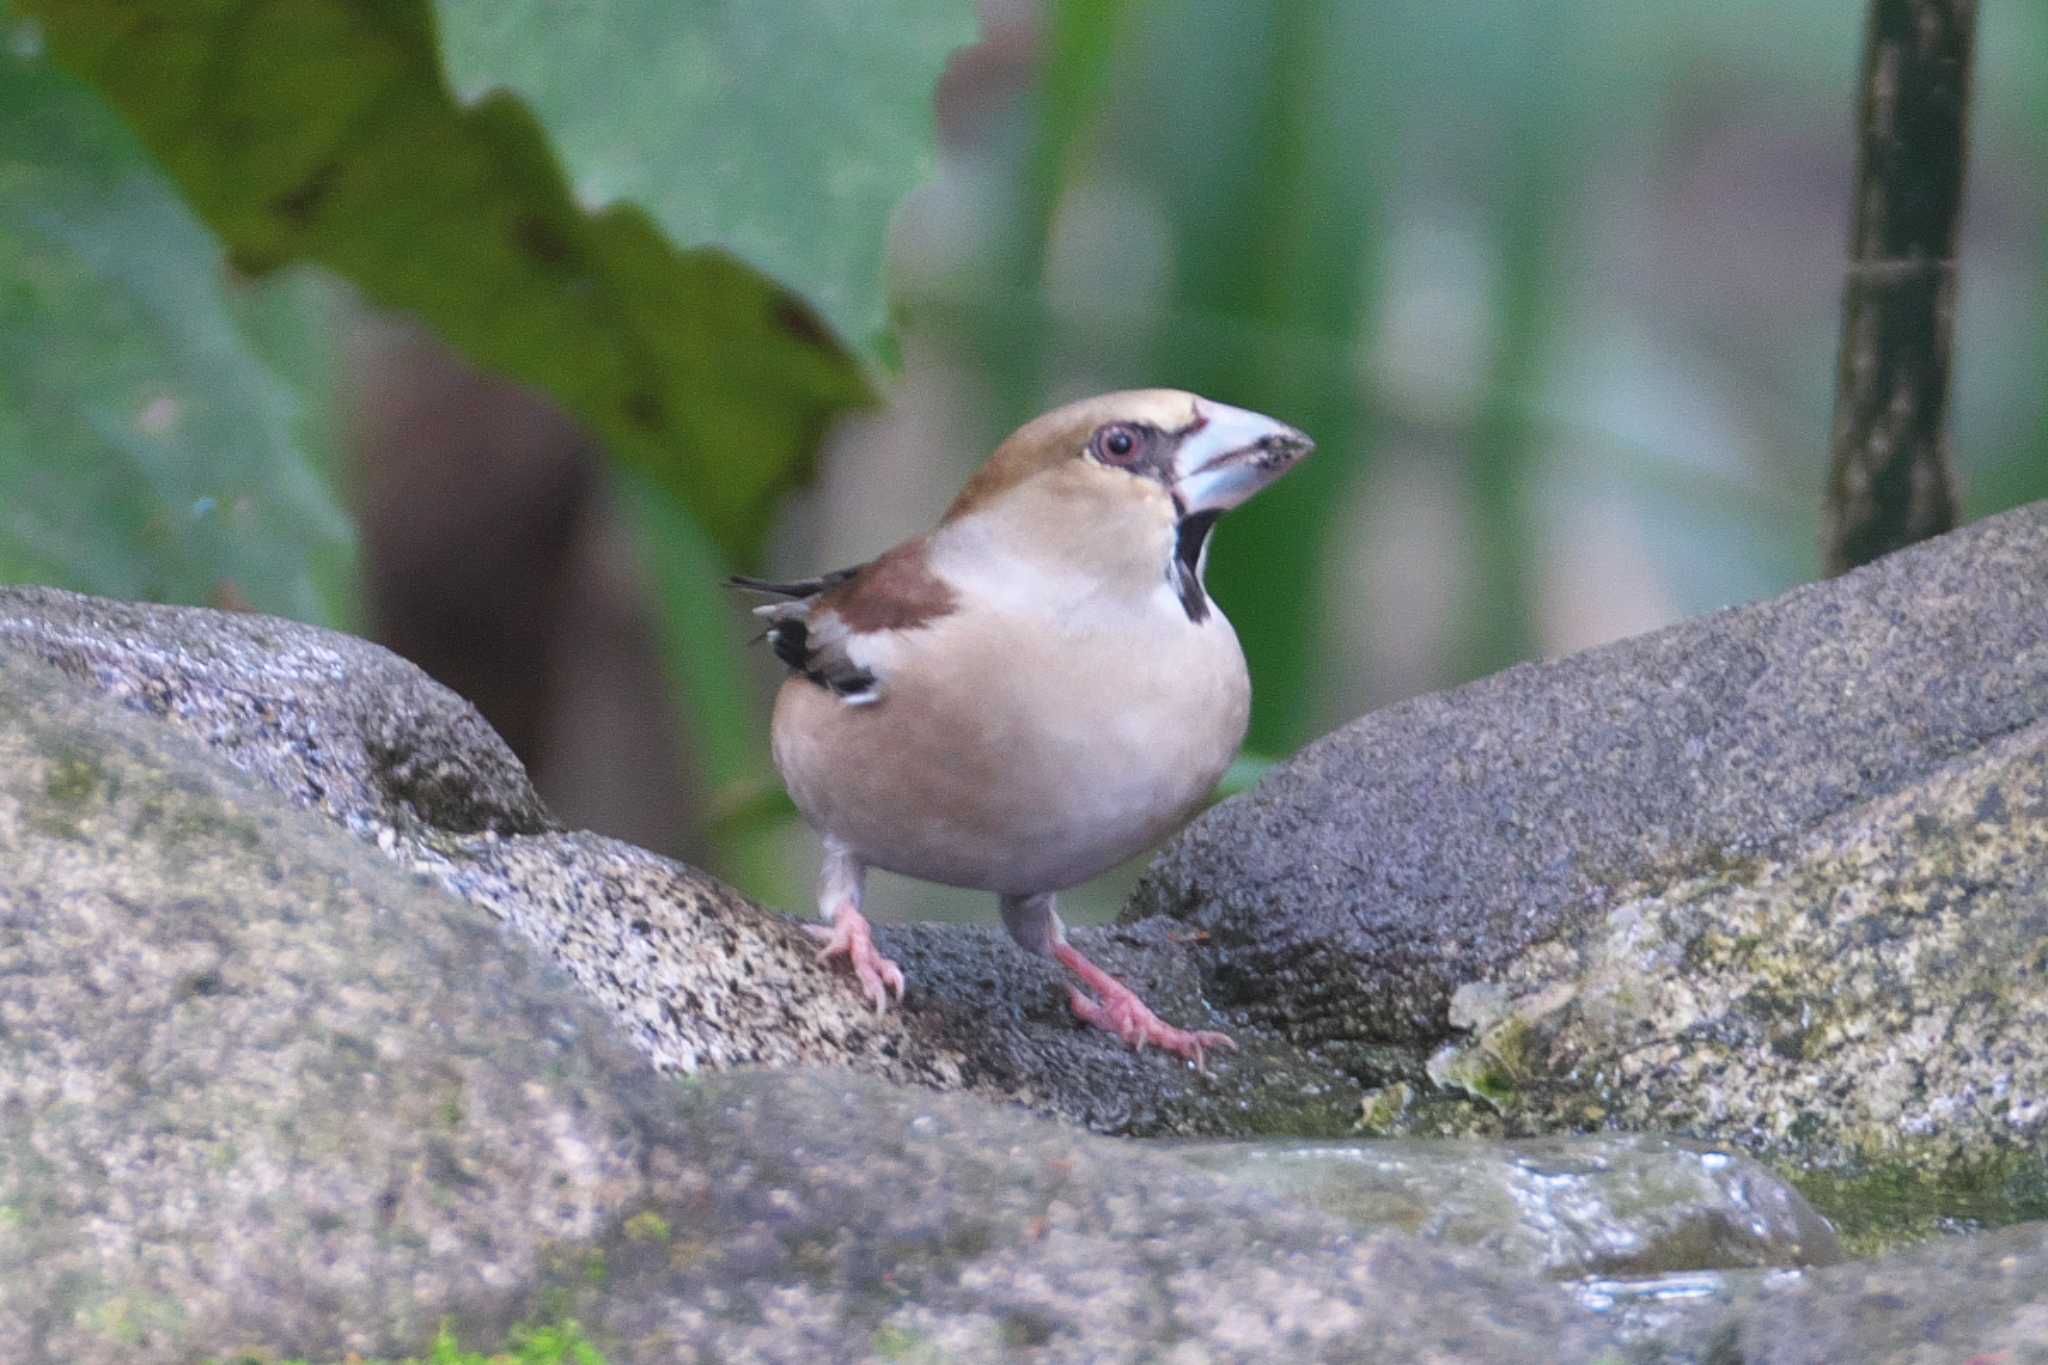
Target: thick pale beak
{"type": "Point", "coordinates": [1230, 456]}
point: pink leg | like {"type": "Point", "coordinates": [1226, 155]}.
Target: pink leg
{"type": "Point", "coordinates": [1119, 1010]}
{"type": "Point", "coordinates": [848, 936]}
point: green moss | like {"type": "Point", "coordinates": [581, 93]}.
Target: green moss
{"type": "Point", "coordinates": [174, 820]}
{"type": "Point", "coordinates": [1379, 1110]}
{"type": "Point", "coordinates": [647, 1226]}
{"type": "Point", "coordinates": [1805, 1127]}
{"type": "Point", "coordinates": [561, 1343]}
{"type": "Point", "coordinates": [135, 1319]}
{"type": "Point", "coordinates": [1881, 1207]}
{"type": "Point", "coordinates": [1493, 1067]}
{"type": "Point", "coordinates": [1268, 1111]}
{"type": "Point", "coordinates": [903, 1345]}
{"type": "Point", "coordinates": [73, 778]}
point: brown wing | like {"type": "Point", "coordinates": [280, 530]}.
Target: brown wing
{"type": "Point", "coordinates": [812, 627]}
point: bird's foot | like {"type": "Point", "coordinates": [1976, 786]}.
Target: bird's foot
{"type": "Point", "coordinates": [1130, 1019]}
{"type": "Point", "coordinates": [848, 936]}
{"type": "Point", "coordinates": [1120, 1011]}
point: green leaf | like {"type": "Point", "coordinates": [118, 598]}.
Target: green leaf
{"type": "Point", "coordinates": [321, 130]}
{"type": "Point", "coordinates": [156, 440]}
{"type": "Point", "coordinates": [785, 133]}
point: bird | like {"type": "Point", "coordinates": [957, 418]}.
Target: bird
{"type": "Point", "coordinates": [1034, 691]}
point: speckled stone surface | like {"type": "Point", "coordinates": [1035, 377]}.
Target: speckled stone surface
{"type": "Point", "coordinates": [701, 977]}
{"type": "Point", "coordinates": [1979, 1300]}
{"type": "Point", "coordinates": [1871, 997]}
{"type": "Point", "coordinates": [1471, 842]}
{"type": "Point", "coordinates": [1431, 844]}
{"type": "Point", "coordinates": [333, 723]}
{"type": "Point", "coordinates": [262, 1091]}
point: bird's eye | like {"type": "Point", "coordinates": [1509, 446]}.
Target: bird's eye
{"type": "Point", "coordinates": [1118, 443]}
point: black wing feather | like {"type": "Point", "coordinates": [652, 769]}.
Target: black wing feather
{"type": "Point", "coordinates": [829, 669]}
{"type": "Point", "coordinates": [789, 634]}
{"type": "Point", "coordinates": [795, 588]}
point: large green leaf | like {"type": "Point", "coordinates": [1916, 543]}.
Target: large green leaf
{"type": "Point", "coordinates": [149, 445]}
{"type": "Point", "coordinates": [321, 130]}
{"type": "Point", "coordinates": [785, 133]}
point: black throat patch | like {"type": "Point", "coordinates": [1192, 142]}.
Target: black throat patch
{"type": "Point", "coordinates": [1185, 568]}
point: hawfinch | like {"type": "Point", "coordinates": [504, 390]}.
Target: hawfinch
{"type": "Point", "coordinates": [1034, 691]}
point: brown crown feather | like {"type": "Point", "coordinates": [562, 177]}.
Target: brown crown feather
{"type": "Point", "coordinates": [1062, 434]}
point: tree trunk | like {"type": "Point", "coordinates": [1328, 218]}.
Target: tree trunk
{"type": "Point", "coordinates": [1890, 482]}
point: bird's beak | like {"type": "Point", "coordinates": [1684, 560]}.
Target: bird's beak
{"type": "Point", "coordinates": [1230, 455]}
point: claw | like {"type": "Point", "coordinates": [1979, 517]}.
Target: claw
{"type": "Point", "coordinates": [848, 936]}
{"type": "Point", "coordinates": [1130, 1019]}
{"type": "Point", "coordinates": [1121, 1012]}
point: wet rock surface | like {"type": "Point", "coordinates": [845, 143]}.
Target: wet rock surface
{"type": "Point", "coordinates": [1979, 1300]}
{"type": "Point", "coordinates": [263, 1092]}
{"type": "Point", "coordinates": [1625, 1206]}
{"type": "Point", "coordinates": [1871, 998]}
{"type": "Point", "coordinates": [1772, 880]}
{"type": "Point", "coordinates": [1775, 877]}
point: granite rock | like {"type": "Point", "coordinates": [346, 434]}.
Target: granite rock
{"type": "Point", "coordinates": [1979, 1300]}
{"type": "Point", "coordinates": [1430, 844]}
{"type": "Point", "coordinates": [1778, 876]}
{"type": "Point", "coordinates": [701, 977]}
{"type": "Point", "coordinates": [264, 1093]}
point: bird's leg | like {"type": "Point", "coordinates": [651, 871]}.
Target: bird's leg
{"type": "Point", "coordinates": [1119, 1010]}
{"type": "Point", "coordinates": [1113, 1006]}
{"type": "Point", "coordinates": [846, 932]}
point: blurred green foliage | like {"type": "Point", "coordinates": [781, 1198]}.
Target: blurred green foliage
{"type": "Point", "coordinates": [670, 217]}
{"type": "Point", "coordinates": [1419, 229]}
{"type": "Point", "coordinates": [323, 131]}
{"type": "Point", "coordinates": [159, 437]}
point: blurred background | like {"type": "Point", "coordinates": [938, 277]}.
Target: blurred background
{"type": "Point", "coordinates": [1554, 283]}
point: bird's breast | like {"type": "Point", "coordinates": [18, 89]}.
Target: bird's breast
{"type": "Point", "coordinates": [1016, 753]}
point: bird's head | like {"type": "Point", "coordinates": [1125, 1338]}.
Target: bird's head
{"type": "Point", "coordinates": [1126, 485]}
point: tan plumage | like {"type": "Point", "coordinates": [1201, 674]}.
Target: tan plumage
{"type": "Point", "coordinates": [1038, 688]}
